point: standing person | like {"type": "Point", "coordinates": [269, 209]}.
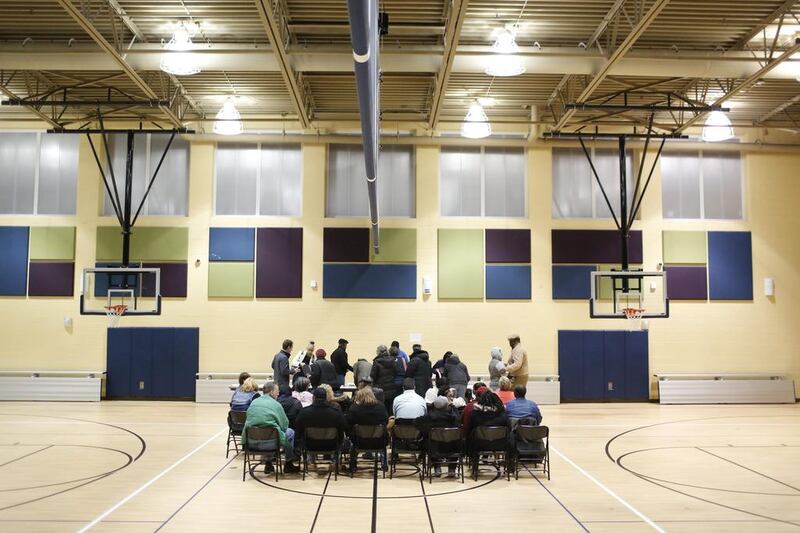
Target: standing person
{"type": "Point", "coordinates": [361, 370]}
{"type": "Point", "coordinates": [438, 367]}
{"type": "Point", "coordinates": [280, 363]}
{"type": "Point", "coordinates": [496, 368]}
{"type": "Point", "coordinates": [400, 371]}
{"type": "Point", "coordinates": [403, 356]}
{"type": "Point", "coordinates": [323, 371]}
{"type": "Point", "coordinates": [419, 368]}
{"type": "Point", "coordinates": [456, 374]}
{"type": "Point", "coordinates": [384, 370]}
{"type": "Point", "coordinates": [300, 364]}
{"type": "Point", "coordinates": [339, 360]}
{"type": "Point", "coordinates": [517, 366]}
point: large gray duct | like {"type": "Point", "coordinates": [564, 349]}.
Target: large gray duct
{"type": "Point", "coordinates": [364, 34]}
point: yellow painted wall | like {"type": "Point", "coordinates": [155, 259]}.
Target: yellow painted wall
{"type": "Point", "coordinates": [761, 335]}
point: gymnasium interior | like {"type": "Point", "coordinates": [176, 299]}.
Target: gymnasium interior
{"type": "Point", "coordinates": [589, 207]}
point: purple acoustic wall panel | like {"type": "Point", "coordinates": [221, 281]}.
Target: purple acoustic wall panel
{"type": "Point", "coordinates": [594, 246]}
{"type": "Point", "coordinates": [279, 262]}
{"type": "Point", "coordinates": [686, 282]}
{"type": "Point", "coordinates": [345, 245]}
{"type": "Point", "coordinates": [51, 279]}
{"type": "Point", "coordinates": [173, 280]}
{"type": "Point", "coordinates": [508, 246]}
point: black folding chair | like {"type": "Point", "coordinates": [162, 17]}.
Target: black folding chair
{"type": "Point", "coordinates": [445, 447]}
{"type": "Point", "coordinates": [319, 443]}
{"type": "Point", "coordinates": [368, 439]}
{"type": "Point", "coordinates": [491, 444]}
{"type": "Point", "coordinates": [262, 434]}
{"type": "Point", "coordinates": [532, 446]}
{"type": "Point", "coordinates": [236, 421]}
{"type": "Point", "coordinates": [408, 440]}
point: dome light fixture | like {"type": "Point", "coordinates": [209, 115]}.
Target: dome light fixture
{"type": "Point", "coordinates": [476, 123]}
{"type": "Point", "coordinates": [228, 120]}
{"type": "Point", "coordinates": [504, 61]}
{"type": "Point", "coordinates": [177, 58]}
{"type": "Point", "coordinates": [717, 127]}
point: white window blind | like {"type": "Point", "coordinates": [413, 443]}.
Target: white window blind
{"type": "Point", "coordinates": [38, 173]}
{"type": "Point", "coordinates": [347, 182]}
{"type": "Point", "coordinates": [170, 191]}
{"type": "Point", "coordinates": [482, 182]}
{"type": "Point", "coordinates": [702, 185]}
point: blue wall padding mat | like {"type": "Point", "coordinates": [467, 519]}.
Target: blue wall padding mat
{"type": "Point", "coordinates": [730, 265]}
{"type": "Point", "coordinates": [572, 282]}
{"type": "Point", "coordinates": [13, 260]}
{"type": "Point", "coordinates": [163, 360]}
{"type": "Point", "coordinates": [369, 281]}
{"type": "Point", "coordinates": [231, 244]}
{"type": "Point", "coordinates": [508, 282]}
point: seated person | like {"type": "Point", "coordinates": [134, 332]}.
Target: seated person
{"type": "Point", "coordinates": [337, 402]}
{"type": "Point", "coordinates": [439, 416]}
{"type": "Point", "coordinates": [408, 406]}
{"type": "Point", "coordinates": [488, 410]}
{"type": "Point", "coordinates": [323, 371]}
{"type": "Point", "coordinates": [366, 411]}
{"type": "Point", "coordinates": [522, 408]}
{"type": "Point", "coordinates": [320, 414]}
{"type": "Point", "coordinates": [265, 411]}
{"type": "Point", "coordinates": [242, 378]}
{"type": "Point", "coordinates": [506, 392]}
{"type": "Point", "coordinates": [291, 405]}
{"type": "Point", "coordinates": [301, 391]}
{"type": "Point", "coordinates": [478, 389]}
{"type": "Point", "coordinates": [244, 395]}
{"type": "Point", "coordinates": [433, 393]}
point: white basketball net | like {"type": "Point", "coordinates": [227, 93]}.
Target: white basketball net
{"type": "Point", "coordinates": [114, 313]}
{"type": "Point", "coordinates": [634, 316]}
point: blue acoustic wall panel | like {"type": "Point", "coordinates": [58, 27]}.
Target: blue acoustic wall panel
{"type": "Point", "coordinates": [13, 260]}
{"type": "Point", "coordinates": [572, 282]}
{"type": "Point", "coordinates": [508, 282]}
{"type": "Point", "coordinates": [231, 244]}
{"type": "Point", "coordinates": [369, 281]}
{"type": "Point", "coordinates": [730, 265]}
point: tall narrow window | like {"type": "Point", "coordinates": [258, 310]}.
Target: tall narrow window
{"type": "Point", "coordinates": [702, 185]}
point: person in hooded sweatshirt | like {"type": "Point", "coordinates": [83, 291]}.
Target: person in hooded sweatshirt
{"type": "Point", "coordinates": [496, 368]}
{"type": "Point", "coordinates": [438, 367]}
{"type": "Point", "coordinates": [361, 370]}
{"type": "Point", "coordinates": [456, 374]}
{"type": "Point", "coordinates": [383, 373]}
{"type": "Point", "coordinates": [419, 368]}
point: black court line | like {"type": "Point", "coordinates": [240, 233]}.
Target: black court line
{"type": "Point", "coordinates": [557, 500]}
{"type": "Point", "coordinates": [425, 499]}
{"type": "Point", "coordinates": [749, 469]}
{"type": "Point", "coordinates": [319, 505]}
{"type": "Point", "coordinates": [198, 491]}
{"type": "Point", "coordinates": [375, 496]}
{"type": "Point", "coordinates": [26, 455]}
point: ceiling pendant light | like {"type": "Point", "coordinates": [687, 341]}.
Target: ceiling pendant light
{"type": "Point", "coordinates": [505, 61]}
{"type": "Point", "coordinates": [177, 57]}
{"type": "Point", "coordinates": [476, 123]}
{"type": "Point", "coordinates": [717, 127]}
{"type": "Point", "coordinates": [228, 120]}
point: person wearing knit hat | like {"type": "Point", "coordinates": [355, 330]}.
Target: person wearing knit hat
{"type": "Point", "coordinates": [323, 371]}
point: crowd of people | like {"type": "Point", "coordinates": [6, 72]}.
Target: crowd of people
{"type": "Point", "coordinates": [394, 388]}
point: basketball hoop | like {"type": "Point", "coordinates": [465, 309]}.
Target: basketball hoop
{"type": "Point", "coordinates": [114, 313]}
{"type": "Point", "coordinates": [634, 316]}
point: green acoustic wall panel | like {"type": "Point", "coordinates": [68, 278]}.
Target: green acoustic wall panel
{"type": "Point", "coordinates": [147, 244]}
{"type": "Point", "coordinates": [398, 245]}
{"type": "Point", "coordinates": [230, 280]}
{"type": "Point", "coordinates": [461, 269]}
{"type": "Point", "coordinates": [685, 247]}
{"type": "Point", "coordinates": [52, 243]}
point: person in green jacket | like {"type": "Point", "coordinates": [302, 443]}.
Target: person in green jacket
{"type": "Point", "coordinates": [265, 411]}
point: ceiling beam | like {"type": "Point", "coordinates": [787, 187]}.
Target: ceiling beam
{"type": "Point", "coordinates": [455, 22]}
{"type": "Point", "coordinates": [32, 109]}
{"type": "Point", "coordinates": [614, 58]}
{"type": "Point", "coordinates": [610, 15]}
{"type": "Point", "coordinates": [763, 23]}
{"type": "Point", "coordinates": [112, 52]}
{"type": "Point", "coordinates": [785, 105]}
{"type": "Point", "coordinates": [272, 29]}
{"type": "Point", "coordinates": [744, 84]}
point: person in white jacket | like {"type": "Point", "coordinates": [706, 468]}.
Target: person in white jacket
{"type": "Point", "coordinates": [496, 368]}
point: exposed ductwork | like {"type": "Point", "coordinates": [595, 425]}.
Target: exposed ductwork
{"type": "Point", "coordinates": [364, 32]}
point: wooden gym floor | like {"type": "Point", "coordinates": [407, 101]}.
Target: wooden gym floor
{"type": "Point", "coordinates": [147, 466]}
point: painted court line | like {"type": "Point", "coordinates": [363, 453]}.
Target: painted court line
{"type": "Point", "coordinates": [609, 491]}
{"type": "Point", "coordinates": [135, 493]}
